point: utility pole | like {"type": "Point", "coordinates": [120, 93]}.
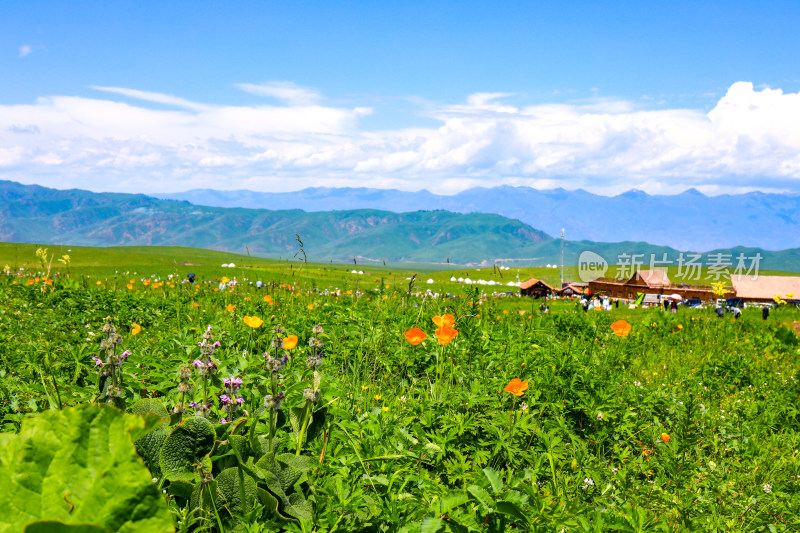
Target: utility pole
{"type": "Point", "coordinates": [562, 258]}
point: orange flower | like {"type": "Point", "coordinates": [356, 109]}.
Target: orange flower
{"type": "Point", "coordinates": [516, 387]}
{"type": "Point", "coordinates": [415, 336]}
{"type": "Point", "coordinates": [310, 307]}
{"type": "Point", "coordinates": [146, 282]}
{"type": "Point", "coordinates": [289, 342]}
{"type": "Point", "coordinates": [253, 321]}
{"type": "Point", "coordinates": [267, 298]}
{"type": "Point", "coordinates": [665, 438]}
{"type": "Point", "coordinates": [195, 304]}
{"type": "Point", "coordinates": [230, 308]}
{"type": "Point", "coordinates": [446, 320]}
{"type": "Point", "coordinates": [621, 328]}
{"type": "Point", "coordinates": [130, 286]}
{"type": "Point", "coordinates": [31, 282]}
{"type": "Point", "coordinates": [445, 334]}
{"type": "Point", "coordinates": [132, 281]}
{"type": "Point", "coordinates": [48, 282]}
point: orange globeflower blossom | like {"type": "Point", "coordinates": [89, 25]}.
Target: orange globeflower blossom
{"type": "Point", "coordinates": [310, 307]}
{"type": "Point", "coordinates": [415, 336]}
{"type": "Point", "coordinates": [31, 282]}
{"type": "Point", "coordinates": [665, 438]}
{"type": "Point", "coordinates": [621, 328]}
{"type": "Point", "coordinates": [253, 321]}
{"type": "Point", "coordinates": [132, 281]}
{"type": "Point", "coordinates": [446, 320]}
{"type": "Point", "coordinates": [268, 298]}
{"type": "Point", "coordinates": [516, 387]}
{"type": "Point", "coordinates": [195, 304]}
{"type": "Point", "coordinates": [445, 334]}
{"type": "Point", "coordinates": [289, 342]}
{"type": "Point", "coordinates": [130, 287]}
{"type": "Point", "coordinates": [135, 328]}
{"type": "Point", "coordinates": [48, 282]}
{"type": "Point", "coordinates": [146, 282]}
{"type": "Point", "coordinates": [230, 308]}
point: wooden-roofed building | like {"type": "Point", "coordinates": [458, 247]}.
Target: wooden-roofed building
{"type": "Point", "coordinates": [536, 288]}
{"type": "Point", "coordinates": [647, 282]}
{"type": "Point", "coordinates": [573, 289]}
{"type": "Point", "coordinates": [766, 288]}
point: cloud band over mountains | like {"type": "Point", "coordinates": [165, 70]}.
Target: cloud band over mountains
{"type": "Point", "coordinates": [133, 140]}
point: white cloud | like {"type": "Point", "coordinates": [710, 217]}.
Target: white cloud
{"type": "Point", "coordinates": [284, 91]}
{"type": "Point", "coordinates": [158, 98]}
{"type": "Point", "coordinates": [25, 50]}
{"type": "Point", "coordinates": [748, 139]}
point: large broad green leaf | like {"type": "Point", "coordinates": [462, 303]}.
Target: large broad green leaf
{"type": "Point", "coordinates": [79, 467]}
{"type": "Point", "coordinates": [186, 445]}
{"type": "Point", "coordinates": [228, 490]}
{"type": "Point", "coordinates": [51, 526]}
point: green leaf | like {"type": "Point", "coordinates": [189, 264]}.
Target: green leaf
{"type": "Point", "coordinates": [79, 466]}
{"type": "Point", "coordinates": [482, 497]}
{"type": "Point", "coordinates": [228, 491]}
{"type": "Point", "coordinates": [186, 445]}
{"type": "Point", "coordinates": [510, 509]}
{"type": "Point", "coordinates": [296, 418]}
{"type": "Point", "coordinates": [430, 524]}
{"type": "Point", "coordinates": [150, 405]}
{"type": "Point", "coordinates": [52, 526]}
{"type": "Point", "coordinates": [494, 480]}
{"type": "Point", "coordinates": [450, 501]}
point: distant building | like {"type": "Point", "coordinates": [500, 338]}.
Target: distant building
{"type": "Point", "coordinates": [536, 288]}
{"type": "Point", "coordinates": [766, 288]}
{"type": "Point", "coordinates": [573, 289]}
{"type": "Point", "coordinates": [648, 282]}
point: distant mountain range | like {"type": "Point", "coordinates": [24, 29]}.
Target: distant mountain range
{"type": "Point", "coordinates": [34, 214]}
{"type": "Point", "coordinates": [687, 221]}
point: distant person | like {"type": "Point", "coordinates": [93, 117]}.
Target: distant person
{"type": "Point", "coordinates": [190, 277]}
{"type": "Point", "coordinates": [720, 312]}
{"type": "Point", "coordinates": [765, 312]}
{"type": "Point", "coordinates": [666, 305]}
{"type": "Point", "coordinates": [736, 313]}
{"type": "Point", "coordinates": [674, 307]}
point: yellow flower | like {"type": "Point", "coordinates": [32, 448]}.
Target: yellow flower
{"type": "Point", "coordinates": [385, 409]}
{"type": "Point", "coordinates": [364, 387]}
{"type": "Point", "coordinates": [310, 307]}
{"type": "Point", "coordinates": [253, 321]}
{"type": "Point", "coordinates": [99, 282]}
{"type": "Point", "coordinates": [377, 397]}
{"type": "Point", "coordinates": [135, 328]}
{"type": "Point", "coordinates": [224, 280]}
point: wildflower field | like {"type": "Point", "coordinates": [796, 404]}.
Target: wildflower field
{"type": "Point", "coordinates": [141, 403]}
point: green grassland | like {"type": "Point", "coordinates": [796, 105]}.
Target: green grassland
{"type": "Point", "coordinates": [389, 419]}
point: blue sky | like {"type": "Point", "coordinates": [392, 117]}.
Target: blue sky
{"type": "Point", "coordinates": [167, 96]}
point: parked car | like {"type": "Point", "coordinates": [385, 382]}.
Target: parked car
{"type": "Point", "coordinates": [734, 302]}
{"type": "Point", "coordinates": [692, 302]}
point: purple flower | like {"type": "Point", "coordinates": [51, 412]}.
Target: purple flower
{"type": "Point", "coordinates": [194, 405]}
{"type": "Point", "coordinates": [98, 361]}
{"type": "Point", "coordinates": [197, 363]}
{"type": "Point", "coordinates": [239, 400]}
{"type": "Point", "coordinates": [225, 399]}
{"type": "Point", "coordinates": [232, 383]}
{"type": "Point", "coordinates": [223, 421]}
{"type": "Point", "coordinates": [216, 344]}
{"type": "Point", "coordinates": [125, 355]}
